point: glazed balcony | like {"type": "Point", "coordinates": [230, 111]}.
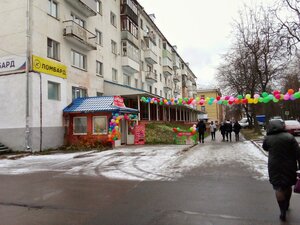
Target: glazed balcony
{"type": "Point", "coordinates": [150, 56]}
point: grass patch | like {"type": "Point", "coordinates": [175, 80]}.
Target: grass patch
{"type": "Point", "coordinates": [162, 133]}
{"type": "Point", "coordinates": [251, 134]}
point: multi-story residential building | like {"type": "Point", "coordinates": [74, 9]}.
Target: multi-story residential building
{"type": "Point", "coordinates": [54, 51]}
{"type": "Point", "coordinates": [213, 112]}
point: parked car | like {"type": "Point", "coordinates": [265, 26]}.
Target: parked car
{"type": "Point", "coordinates": [244, 122]}
{"type": "Point", "coordinates": [292, 126]}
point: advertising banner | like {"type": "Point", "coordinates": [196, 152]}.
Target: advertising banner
{"type": "Point", "coordinates": [12, 64]}
{"type": "Point", "coordinates": [49, 67]}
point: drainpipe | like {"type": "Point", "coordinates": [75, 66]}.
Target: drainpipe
{"type": "Point", "coordinates": [28, 47]}
{"type": "Point", "coordinates": [41, 113]}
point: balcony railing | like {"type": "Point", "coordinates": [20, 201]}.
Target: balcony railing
{"type": "Point", "coordinates": [79, 35]}
{"type": "Point", "coordinates": [176, 78]}
{"type": "Point", "coordinates": [87, 7]}
{"type": "Point", "coordinates": [150, 56]}
{"type": "Point", "coordinates": [151, 77]}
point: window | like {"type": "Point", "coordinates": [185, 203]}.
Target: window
{"type": "Point", "coordinates": [128, 25]}
{"type": "Point", "coordinates": [155, 91]}
{"type": "Point", "coordinates": [160, 77]}
{"type": "Point", "coordinates": [160, 92]}
{"type": "Point", "coordinates": [99, 94]}
{"type": "Point", "coordinates": [99, 125]}
{"type": "Point", "coordinates": [78, 92]}
{"type": "Point", "coordinates": [113, 19]}
{"type": "Point", "coordinates": [143, 85]}
{"type": "Point", "coordinates": [78, 20]}
{"type": "Point", "coordinates": [53, 91]}
{"type": "Point", "coordinates": [52, 8]}
{"type": "Point", "coordinates": [99, 39]}
{"type": "Point", "coordinates": [159, 60]}
{"type": "Point", "coordinates": [114, 74]}
{"type": "Point", "coordinates": [52, 49]}
{"type": "Point", "coordinates": [203, 108]}
{"type": "Point", "coordinates": [141, 24]}
{"type": "Point", "coordinates": [136, 83]}
{"type": "Point", "coordinates": [79, 125]}
{"type": "Point", "coordinates": [130, 51]}
{"type": "Point", "coordinates": [78, 60]}
{"type": "Point", "coordinates": [127, 80]}
{"type": "Point", "coordinates": [99, 68]}
{"type": "Point", "coordinates": [99, 6]}
{"type": "Point", "coordinates": [150, 88]}
{"type": "Point", "coordinates": [113, 47]}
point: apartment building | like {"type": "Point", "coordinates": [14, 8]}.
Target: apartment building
{"type": "Point", "coordinates": [54, 51]}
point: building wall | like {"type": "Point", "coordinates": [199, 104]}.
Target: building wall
{"type": "Point", "coordinates": [47, 113]}
{"type": "Point", "coordinates": [214, 111]}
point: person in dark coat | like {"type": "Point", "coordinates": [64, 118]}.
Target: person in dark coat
{"type": "Point", "coordinates": [228, 130]}
{"type": "Point", "coordinates": [284, 153]}
{"type": "Point", "coordinates": [223, 131]}
{"type": "Point", "coordinates": [236, 129]}
{"type": "Point", "coordinates": [201, 129]}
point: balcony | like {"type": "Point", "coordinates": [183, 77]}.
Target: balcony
{"type": "Point", "coordinates": [150, 56]}
{"type": "Point", "coordinates": [130, 66]}
{"type": "Point", "coordinates": [176, 62]}
{"type": "Point", "coordinates": [151, 36]}
{"type": "Point", "coordinates": [79, 35]}
{"type": "Point", "coordinates": [126, 35]}
{"type": "Point", "coordinates": [184, 72]}
{"type": "Point", "coordinates": [176, 79]}
{"type": "Point", "coordinates": [129, 8]}
{"type": "Point", "coordinates": [168, 86]}
{"type": "Point", "coordinates": [167, 67]}
{"type": "Point", "coordinates": [151, 77]}
{"type": "Point", "coordinates": [177, 91]}
{"type": "Point", "coordinates": [86, 7]}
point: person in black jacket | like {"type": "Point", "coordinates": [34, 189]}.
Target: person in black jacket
{"type": "Point", "coordinates": [223, 131]}
{"type": "Point", "coordinates": [284, 153]}
{"type": "Point", "coordinates": [201, 129]}
{"type": "Point", "coordinates": [228, 130]}
{"type": "Point", "coordinates": [236, 129]}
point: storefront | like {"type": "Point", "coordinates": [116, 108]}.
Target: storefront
{"type": "Point", "coordinates": [102, 120]}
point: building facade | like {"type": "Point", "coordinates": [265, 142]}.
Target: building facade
{"type": "Point", "coordinates": [213, 112]}
{"type": "Point", "coordinates": [54, 51]}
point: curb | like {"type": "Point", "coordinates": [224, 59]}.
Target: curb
{"type": "Point", "coordinates": [188, 148]}
{"type": "Point", "coordinates": [259, 147]}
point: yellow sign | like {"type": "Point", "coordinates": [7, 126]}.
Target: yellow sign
{"type": "Point", "coordinates": [49, 67]}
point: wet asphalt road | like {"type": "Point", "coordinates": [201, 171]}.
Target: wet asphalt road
{"type": "Point", "coordinates": [219, 194]}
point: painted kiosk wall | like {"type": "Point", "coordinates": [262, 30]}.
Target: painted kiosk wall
{"type": "Point", "coordinates": [99, 120]}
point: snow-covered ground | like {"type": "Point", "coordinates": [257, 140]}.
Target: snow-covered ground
{"type": "Point", "coordinates": [162, 162]}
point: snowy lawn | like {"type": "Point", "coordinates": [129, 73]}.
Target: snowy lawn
{"type": "Point", "coordinates": [162, 162]}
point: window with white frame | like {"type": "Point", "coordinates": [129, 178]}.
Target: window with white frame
{"type": "Point", "coordinates": [78, 20]}
{"type": "Point", "coordinates": [99, 68]}
{"type": "Point", "coordinates": [78, 92]}
{"type": "Point", "coordinates": [99, 6]}
{"type": "Point", "coordinates": [78, 60]}
{"type": "Point", "coordinates": [99, 38]}
{"type": "Point", "coordinates": [113, 19]}
{"type": "Point", "coordinates": [53, 49]}
{"type": "Point", "coordinates": [114, 74]}
{"type": "Point", "coordinates": [160, 77]}
{"type": "Point", "coordinates": [155, 91]}
{"type": "Point", "coordinates": [80, 125]}
{"type": "Point", "coordinates": [150, 88]}
{"type": "Point", "coordinates": [53, 90]}
{"type": "Point", "coordinates": [52, 8]}
{"type": "Point", "coordinates": [99, 125]}
{"type": "Point", "coordinates": [136, 81]}
{"type": "Point", "coordinates": [160, 92]}
{"type": "Point", "coordinates": [113, 47]}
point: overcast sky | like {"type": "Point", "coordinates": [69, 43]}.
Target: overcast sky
{"type": "Point", "coordinates": [199, 28]}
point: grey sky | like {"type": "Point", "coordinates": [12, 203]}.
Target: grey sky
{"type": "Point", "coordinates": [199, 28]}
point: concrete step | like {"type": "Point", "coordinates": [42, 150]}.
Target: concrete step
{"type": "Point", "coordinates": [4, 149]}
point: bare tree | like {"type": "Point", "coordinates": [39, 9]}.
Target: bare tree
{"type": "Point", "coordinates": [288, 14]}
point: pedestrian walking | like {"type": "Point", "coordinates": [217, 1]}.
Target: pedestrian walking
{"type": "Point", "coordinates": [236, 129]}
{"type": "Point", "coordinates": [201, 130]}
{"type": "Point", "coordinates": [213, 129]}
{"type": "Point", "coordinates": [223, 130]}
{"type": "Point", "coordinates": [284, 154]}
{"type": "Point", "coordinates": [228, 130]}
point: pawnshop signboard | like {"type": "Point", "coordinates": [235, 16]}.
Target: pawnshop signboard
{"type": "Point", "coordinates": [12, 64]}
